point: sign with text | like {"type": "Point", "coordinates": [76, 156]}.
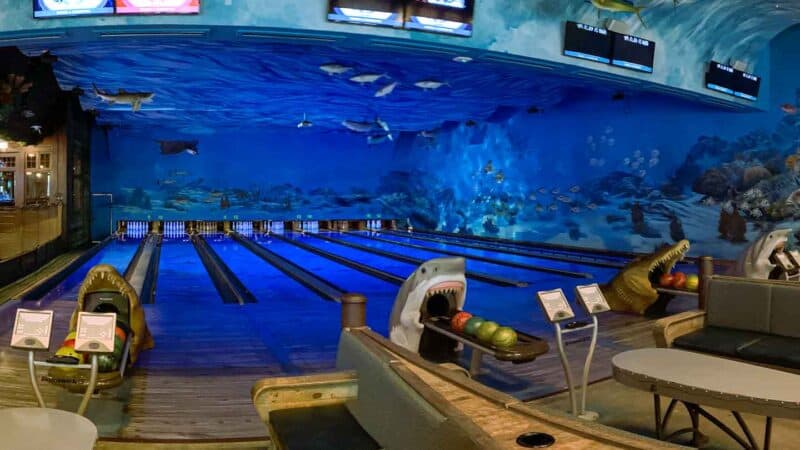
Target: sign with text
{"type": "Point", "coordinates": [592, 298]}
{"type": "Point", "coordinates": [95, 333]}
{"type": "Point", "coordinates": [555, 305]}
{"type": "Point", "coordinates": [32, 330]}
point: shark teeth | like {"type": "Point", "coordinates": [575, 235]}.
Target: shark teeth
{"type": "Point", "coordinates": [443, 291]}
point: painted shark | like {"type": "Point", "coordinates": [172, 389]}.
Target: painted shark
{"type": "Point", "coordinates": [135, 99]}
{"type": "Point", "coordinates": [754, 262]}
{"type": "Point", "coordinates": [631, 290]}
{"type": "Point", "coordinates": [434, 278]}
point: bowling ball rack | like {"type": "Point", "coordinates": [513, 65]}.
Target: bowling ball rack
{"type": "Point", "coordinates": [527, 348]}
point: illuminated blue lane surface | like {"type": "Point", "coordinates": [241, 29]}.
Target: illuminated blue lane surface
{"type": "Point", "coordinates": [600, 273]}
{"type": "Point", "coordinates": [117, 253]}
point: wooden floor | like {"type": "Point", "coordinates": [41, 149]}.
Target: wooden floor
{"type": "Point", "coordinates": [169, 403]}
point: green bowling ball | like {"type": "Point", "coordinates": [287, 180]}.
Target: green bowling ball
{"type": "Point", "coordinates": [486, 331]}
{"type": "Point", "coordinates": [504, 337]}
{"type": "Point", "coordinates": [473, 324]}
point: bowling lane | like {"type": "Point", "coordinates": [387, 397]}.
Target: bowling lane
{"type": "Point", "coordinates": [182, 278]}
{"type": "Point", "coordinates": [192, 327]}
{"type": "Point", "coordinates": [118, 253]}
{"type": "Point", "coordinates": [500, 245]}
{"type": "Point", "coordinates": [380, 294]}
{"type": "Point", "coordinates": [601, 274]}
{"type": "Point", "coordinates": [512, 306]}
{"type": "Point", "coordinates": [299, 328]}
{"type": "Point", "coordinates": [476, 266]}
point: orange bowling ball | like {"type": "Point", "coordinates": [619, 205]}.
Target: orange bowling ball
{"type": "Point", "coordinates": [679, 280]}
{"type": "Point", "coordinates": [459, 321]}
{"type": "Point", "coordinates": [666, 280]}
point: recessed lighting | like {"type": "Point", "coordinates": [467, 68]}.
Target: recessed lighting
{"type": "Point", "coordinates": [3, 145]}
{"type": "Point", "coordinates": [31, 155]}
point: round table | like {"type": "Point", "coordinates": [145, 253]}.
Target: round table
{"type": "Point", "coordinates": [40, 428]}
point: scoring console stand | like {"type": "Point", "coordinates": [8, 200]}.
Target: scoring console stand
{"type": "Point", "coordinates": [94, 335]}
{"type": "Point", "coordinates": [558, 310]}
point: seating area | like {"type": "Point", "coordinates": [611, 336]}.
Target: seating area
{"type": "Point", "coordinates": [383, 391]}
{"type": "Point", "coordinates": [757, 321]}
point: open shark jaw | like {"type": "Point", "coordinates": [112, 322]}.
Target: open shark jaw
{"type": "Point", "coordinates": [665, 263]}
{"type": "Point", "coordinates": [450, 290]}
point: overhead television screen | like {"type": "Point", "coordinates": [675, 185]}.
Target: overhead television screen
{"type": "Point", "coordinates": [633, 53]}
{"type": "Point", "coordinates": [387, 13]}
{"type": "Point", "coordinates": [69, 8]}
{"type": "Point", "coordinates": [158, 6]}
{"type": "Point", "coordinates": [440, 16]}
{"type": "Point", "coordinates": [720, 77]}
{"type": "Point", "coordinates": [746, 85]}
{"type": "Point", "coordinates": [587, 42]}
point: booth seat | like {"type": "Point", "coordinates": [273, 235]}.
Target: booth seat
{"type": "Point", "coordinates": [751, 320]}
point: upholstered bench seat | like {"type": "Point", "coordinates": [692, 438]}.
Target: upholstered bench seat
{"type": "Point", "coordinates": [329, 427]}
{"type": "Point", "coordinates": [750, 320]}
{"type": "Point", "coordinates": [719, 341]}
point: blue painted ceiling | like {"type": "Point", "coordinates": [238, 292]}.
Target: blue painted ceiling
{"type": "Point", "coordinates": [202, 86]}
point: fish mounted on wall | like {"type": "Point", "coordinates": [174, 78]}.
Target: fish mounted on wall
{"type": "Point", "coordinates": [618, 6]}
{"type": "Point", "coordinates": [178, 147]}
{"type": "Point", "coordinates": [135, 99]}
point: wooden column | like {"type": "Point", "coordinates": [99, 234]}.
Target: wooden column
{"type": "Point", "coordinates": [354, 311]}
{"type": "Point", "coordinates": [705, 269]}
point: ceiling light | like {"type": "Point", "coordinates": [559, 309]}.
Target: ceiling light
{"type": "Point", "coordinates": [3, 145]}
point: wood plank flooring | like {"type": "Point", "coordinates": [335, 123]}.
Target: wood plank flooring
{"type": "Point", "coordinates": [180, 394]}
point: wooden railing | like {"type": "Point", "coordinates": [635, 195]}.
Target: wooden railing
{"type": "Point", "coordinates": [25, 229]}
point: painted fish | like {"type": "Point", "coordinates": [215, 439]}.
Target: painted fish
{"type": "Point", "coordinates": [385, 127]}
{"type": "Point", "coordinates": [177, 147]}
{"type": "Point", "coordinates": [428, 134]}
{"type": "Point", "coordinates": [539, 208]}
{"type": "Point", "coordinates": [377, 139]}
{"type": "Point", "coordinates": [555, 191]}
{"type": "Point", "coordinates": [619, 6]}
{"type": "Point", "coordinates": [430, 84]}
{"type": "Point", "coordinates": [564, 199]}
{"type": "Point", "coordinates": [575, 209]}
{"type": "Point", "coordinates": [488, 168]}
{"type": "Point", "coordinates": [788, 108]}
{"type": "Point", "coordinates": [135, 99]}
{"type": "Point", "coordinates": [592, 206]}
{"type": "Point", "coordinates": [386, 90]}
{"type": "Point", "coordinates": [462, 59]}
{"type": "Point", "coordinates": [305, 123]}
{"type": "Point", "coordinates": [532, 197]}
{"type": "Point", "coordinates": [367, 78]}
{"type": "Point", "coordinates": [499, 177]}
{"type": "Point", "coordinates": [653, 162]}
{"type": "Point", "coordinates": [575, 189]}
{"type": "Point", "coordinates": [542, 190]}
{"type": "Point", "coordinates": [359, 127]}
{"type": "Point", "coordinates": [335, 69]}
{"type": "Point", "coordinates": [553, 207]}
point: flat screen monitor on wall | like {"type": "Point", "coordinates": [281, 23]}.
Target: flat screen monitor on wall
{"type": "Point", "coordinates": [388, 13]}
{"type": "Point", "coordinates": [70, 8]}
{"type": "Point", "coordinates": [632, 52]}
{"type": "Point", "coordinates": [158, 6]}
{"type": "Point", "coordinates": [720, 77]}
{"type": "Point", "coordinates": [587, 42]}
{"type": "Point", "coordinates": [746, 85]}
{"type": "Point", "coordinates": [440, 16]}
